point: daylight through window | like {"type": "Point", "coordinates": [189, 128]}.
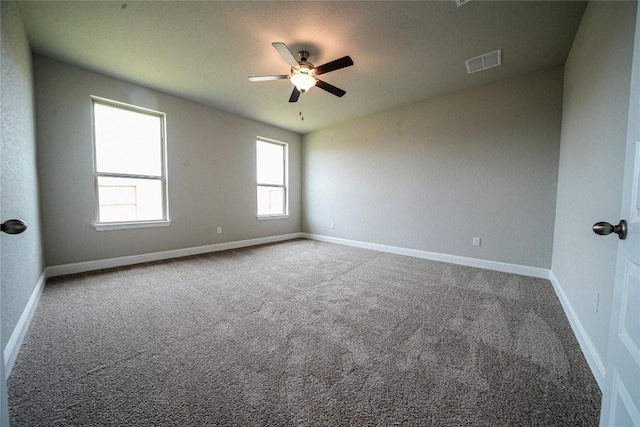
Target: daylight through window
{"type": "Point", "coordinates": [129, 163]}
{"type": "Point", "coordinates": [271, 172]}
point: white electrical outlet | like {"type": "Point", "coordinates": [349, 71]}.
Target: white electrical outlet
{"type": "Point", "coordinates": [476, 241]}
{"type": "Point", "coordinates": [219, 230]}
{"type": "Point", "coordinates": [596, 300]}
{"type": "Point", "coordinates": [332, 225]}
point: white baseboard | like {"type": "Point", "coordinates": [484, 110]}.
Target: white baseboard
{"type": "Point", "coordinates": [12, 348]}
{"type": "Point", "coordinates": [82, 267]}
{"type": "Point", "coordinates": [586, 345]}
{"type": "Point", "coordinates": [541, 273]}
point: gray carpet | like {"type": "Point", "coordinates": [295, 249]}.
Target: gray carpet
{"type": "Point", "coordinates": [300, 333]}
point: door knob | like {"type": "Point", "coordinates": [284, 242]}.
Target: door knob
{"type": "Point", "coordinates": [14, 226]}
{"type": "Point", "coordinates": [604, 228]}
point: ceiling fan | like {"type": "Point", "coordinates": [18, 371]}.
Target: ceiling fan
{"type": "Point", "coordinates": [303, 73]}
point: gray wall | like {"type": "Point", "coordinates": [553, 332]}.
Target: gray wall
{"type": "Point", "coordinates": [211, 157]}
{"type": "Point", "coordinates": [21, 255]}
{"type": "Point", "coordinates": [433, 175]}
{"type": "Point", "coordinates": [594, 125]}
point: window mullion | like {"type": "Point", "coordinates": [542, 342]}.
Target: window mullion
{"type": "Point", "coordinates": [127, 175]}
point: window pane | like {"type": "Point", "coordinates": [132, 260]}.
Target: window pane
{"type": "Point", "coordinates": [270, 163]}
{"type": "Point", "coordinates": [271, 201]}
{"type": "Point", "coordinates": [127, 141]}
{"type": "Point", "coordinates": [129, 199]}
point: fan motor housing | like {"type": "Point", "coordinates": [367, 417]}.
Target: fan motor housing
{"type": "Point", "coordinates": [304, 67]}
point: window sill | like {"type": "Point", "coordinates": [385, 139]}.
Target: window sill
{"type": "Point", "coordinates": [267, 217]}
{"type": "Point", "coordinates": [105, 226]}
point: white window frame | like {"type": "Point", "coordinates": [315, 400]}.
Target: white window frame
{"type": "Point", "coordinates": [285, 187]}
{"type": "Point", "coordinates": [122, 225]}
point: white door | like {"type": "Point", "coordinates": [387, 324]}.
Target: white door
{"type": "Point", "coordinates": [621, 394]}
{"type": "Point", "coordinates": [4, 407]}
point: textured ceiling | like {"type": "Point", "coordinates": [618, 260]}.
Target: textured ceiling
{"type": "Point", "coordinates": [404, 52]}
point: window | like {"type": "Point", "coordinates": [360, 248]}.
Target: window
{"type": "Point", "coordinates": [130, 171]}
{"type": "Point", "coordinates": [271, 172]}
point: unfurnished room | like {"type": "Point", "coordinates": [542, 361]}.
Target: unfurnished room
{"type": "Point", "coordinates": [320, 213]}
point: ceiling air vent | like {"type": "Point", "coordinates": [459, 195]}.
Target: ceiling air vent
{"type": "Point", "coordinates": [482, 62]}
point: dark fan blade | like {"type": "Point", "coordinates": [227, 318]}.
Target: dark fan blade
{"type": "Point", "coordinates": [345, 61]}
{"type": "Point", "coordinates": [285, 53]}
{"type": "Point", "coordinates": [330, 88]}
{"type": "Point", "coordinates": [267, 78]}
{"type": "Point", "coordinates": [294, 95]}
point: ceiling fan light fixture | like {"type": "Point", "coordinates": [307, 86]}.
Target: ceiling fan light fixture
{"type": "Point", "coordinates": [303, 81]}
{"type": "Point", "coordinates": [303, 74]}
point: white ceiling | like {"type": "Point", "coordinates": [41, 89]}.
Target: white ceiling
{"type": "Point", "coordinates": [404, 52]}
